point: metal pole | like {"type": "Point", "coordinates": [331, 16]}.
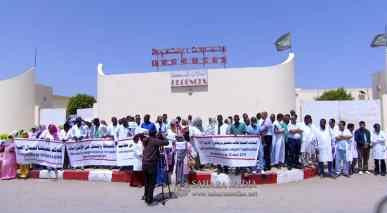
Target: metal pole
{"type": "Point", "coordinates": [35, 58]}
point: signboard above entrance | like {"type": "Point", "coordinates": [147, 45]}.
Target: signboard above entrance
{"type": "Point", "coordinates": [189, 78]}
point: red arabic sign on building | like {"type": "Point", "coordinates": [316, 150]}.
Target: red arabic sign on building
{"type": "Point", "coordinates": [185, 56]}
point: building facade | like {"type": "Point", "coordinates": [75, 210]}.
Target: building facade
{"type": "Point", "coordinates": [229, 91]}
{"type": "Point", "coordinates": [22, 100]}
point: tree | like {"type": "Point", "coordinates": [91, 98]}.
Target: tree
{"type": "Point", "coordinates": [80, 101]}
{"type": "Point", "coordinates": [339, 94]}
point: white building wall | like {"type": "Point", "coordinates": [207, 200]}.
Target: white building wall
{"type": "Point", "coordinates": [308, 95]}
{"type": "Point", "coordinates": [17, 97]}
{"type": "Point", "coordinates": [231, 90]}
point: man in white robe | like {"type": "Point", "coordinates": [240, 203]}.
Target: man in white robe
{"type": "Point", "coordinates": [324, 148]}
{"type": "Point", "coordinates": [132, 125]}
{"type": "Point", "coordinates": [308, 137]}
{"type": "Point", "coordinates": [221, 127]}
{"type": "Point", "coordinates": [278, 150]}
{"type": "Point", "coordinates": [113, 129]}
{"type": "Point", "coordinates": [123, 130]}
{"type": "Point", "coordinates": [76, 132]}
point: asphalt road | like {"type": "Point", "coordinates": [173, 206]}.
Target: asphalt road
{"type": "Point", "coordinates": [356, 194]}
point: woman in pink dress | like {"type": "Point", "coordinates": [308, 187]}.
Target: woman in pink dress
{"type": "Point", "coordinates": [8, 165]}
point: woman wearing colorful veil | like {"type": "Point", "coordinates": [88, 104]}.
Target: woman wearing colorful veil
{"type": "Point", "coordinates": [8, 164]}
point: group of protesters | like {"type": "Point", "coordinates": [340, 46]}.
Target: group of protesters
{"type": "Point", "coordinates": [284, 141]}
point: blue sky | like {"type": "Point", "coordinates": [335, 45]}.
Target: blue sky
{"type": "Point", "coordinates": [330, 38]}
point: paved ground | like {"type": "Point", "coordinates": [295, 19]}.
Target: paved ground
{"type": "Point", "coordinates": [357, 194]}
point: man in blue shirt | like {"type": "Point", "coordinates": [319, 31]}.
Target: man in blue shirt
{"type": "Point", "coordinates": [363, 141]}
{"type": "Point", "coordinates": [237, 128]}
{"type": "Point", "coordinates": [253, 128]}
{"type": "Point", "coordinates": [147, 124]}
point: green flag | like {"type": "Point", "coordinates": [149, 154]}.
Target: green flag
{"type": "Point", "coordinates": [379, 40]}
{"type": "Point", "coordinates": [283, 42]}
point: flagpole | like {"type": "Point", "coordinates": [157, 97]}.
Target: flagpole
{"type": "Point", "coordinates": [36, 56]}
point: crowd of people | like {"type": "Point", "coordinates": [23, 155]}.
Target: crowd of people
{"type": "Point", "coordinates": [285, 141]}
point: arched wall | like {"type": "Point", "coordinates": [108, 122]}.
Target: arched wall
{"type": "Point", "coordinates": [17, 97]}
{"type": "Point", "coordinates": [230, 91]}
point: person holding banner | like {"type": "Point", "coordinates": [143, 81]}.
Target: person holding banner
{"type": "Point", "coordinates": [184, 155]}
{"type": "Point", "coordinates": [196, 128]}
{"type": "Point", "coordinates": [246, 119]}
{"type": "Point", "coordinates": [132, 125]}
{"type": "Point", "coordinates": [222, 128]}
{"type": "Point", "coordinates": [113, 129]}
{"type": "Point", "coordinates": [211, 128]}
{"type": "Point", "coordinates": [237, 128]}
{"type": "Point", "coordinates": [97, 129]}
{"type": "Point", "coordinates": [123, 131]}
{"type": "Point", "coordinates": [254, 129]}
{"type": "Point", "coordinates": [8, 163]}
{"type": "Point", "coordinates": [76, 130]}
{"type": "Point", "coordinates": [51, 133]}
{"type": "Point", "coordinates": [65, 136]}
{"type": "Point", "coordinates": [151, 155]}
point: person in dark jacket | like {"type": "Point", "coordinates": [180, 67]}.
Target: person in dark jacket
{"type": "Point", "coordinates": [363, 141]}
{"type": "Point", "coordinates": [151, 155]}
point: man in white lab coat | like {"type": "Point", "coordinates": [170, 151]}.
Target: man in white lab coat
{"type": "Point", "coordinates": [324, 148]}
{"type": "Point", "coordinates": [378, 140]}
{"type": "Point", "coordinates": [332, 131]}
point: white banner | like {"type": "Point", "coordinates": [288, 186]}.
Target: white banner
{"type": "Point", "coordinates": [93, 152]}
{"type": "Point", "coordinates": [125, 155]}
{"type": "Point", "coordinates": [233, 151]}
{"type": "Point", "coordinates": [41, 152]}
